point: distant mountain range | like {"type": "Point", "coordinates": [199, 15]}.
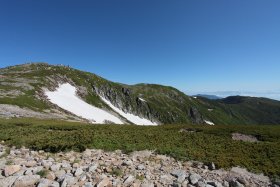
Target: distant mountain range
{"type": "Point", "coordinates": [222, 94]}
{"type": "Point", "coordinates": [212, 97]}
{"type": "Point", "coordinates": [41, 90]}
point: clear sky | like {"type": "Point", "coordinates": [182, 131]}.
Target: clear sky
{"type": "Point", "coordinates": [194, 45]}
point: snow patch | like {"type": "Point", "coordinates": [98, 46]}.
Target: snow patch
{"type": "Point", "coordinates": [209, 122]}
{"type": "Point", "coordinates": [65, 97]}
{"type": "Point", "coordinates": [130, 117]}
{"type": "Point", "coordinates": [210, 109]}
{"type": "Point", "coordinates": [142, 99]}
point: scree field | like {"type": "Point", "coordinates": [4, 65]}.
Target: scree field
{"type": "Point", "coordinates": [183, 142]}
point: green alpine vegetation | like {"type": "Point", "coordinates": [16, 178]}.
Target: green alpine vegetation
{"type": "Point", "coordinates": [184, 142]}
{"type": "Point", "coordinates": [24, 85]}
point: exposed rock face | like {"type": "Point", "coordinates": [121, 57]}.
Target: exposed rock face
{"type": "Point", "coordinates": [104, 169]}
{"type": "Point", "coordinates": [123, 99]}
{"type": "Point", "coordinates": [157, 103]}
{"type": "Point", "coordinates": [195, 116]}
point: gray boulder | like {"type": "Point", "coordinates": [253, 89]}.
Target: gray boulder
{"type": "Point", "coordinates": [27, 180]}
{"type": "Point", "coordinates": [47, 183]}
{"type": "Point", "coordinates": [194, 178]}
{"type": "Point", "coordinates": [8, 181]}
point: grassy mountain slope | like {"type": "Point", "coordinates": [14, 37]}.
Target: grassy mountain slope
{"type": "Point", "coordinates": [23, 85]}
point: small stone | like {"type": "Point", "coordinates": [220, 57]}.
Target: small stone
{"type": "Point", "coordinates": [235, 184]}
{"type": "Point", "coordinates": [243, 181]}
{"type": "Point", "coordinates": [141, 167]}
{"type": "Point", "coordinates": [8, 181]}
{"type": "Point", "coordinates": [175, 184]}
{"type": "Point", "coordinates": [127, 163]}
{"type": "Point", "coordinates": [30, 163]}
{"type": "Point", "coordinates": [185, 183]}
{"type": "Point", "coordinates": [83, 177]}
{"type": "Point", "coordinates": [28, 172]}
{"type": "Point", "coordinates": [180, 174]}
{"type": "Point", "coordinates": [87, 153]}
{"type": "Point", "coordinates": [59, 173]}
{"type": "Point", "coordinates": [76, 165]}
{"type": "Point", "coordinates": [46, 164]}
{"type": "Point", "coordinates": [10, 170]}
{"type": "Point", "coordinates": [147, 184]}
{"type": "Point", "coordinates": [177, 173]}
{"type": "Point", "coordinates": [88, 184]}
{"type": "Point", "coordinates": [214, 183]}
{"type": "Point", "coordinates": [78, 172]}
{"type": "Point", "coordinates": [108, 170]}
{"type": "Point", "coordinates": [65, 165]}
{"type": "Point", "coordinates": [50, 175]}
{"type": "Point", "coordinates": [55, 167]}
{"type": "Point", "coordinates": [37, 169]}
{"type": "Point", "coordinates": [129, 180]}
{"type": "Point", "coordinates": [200, 184]}
{"type": "Point", "coordinates": [212, 166]}
{"type": "Point", "coordinates": [92, 168]}
{"type": "Point", "coordinates": [47, 183]}
{"type": "Point", "coordinates": [194, 178]}
{"type": "Point", "coordinates": [104, 182]}
{"type": "Point", "coordinates": [72, 159]}
{"type": "Point", "coordinates": [67, 180]}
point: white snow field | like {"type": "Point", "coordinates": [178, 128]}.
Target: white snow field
{"type": "Point", "coordinates": [209, 122]}
{"type": "Point", "coordinates": [130, 117]}
{"type": "Point", "coordinates": [65, 97]}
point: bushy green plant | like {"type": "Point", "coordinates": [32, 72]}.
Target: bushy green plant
{"type": "Point", "coordinates": [206, 144]}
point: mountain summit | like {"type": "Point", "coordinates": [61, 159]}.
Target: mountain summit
{"type": "Point", "coordinates": [41, 90]}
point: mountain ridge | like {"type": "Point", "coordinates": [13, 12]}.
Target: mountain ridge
{"type": "Point", "coordinates": [24, 85]}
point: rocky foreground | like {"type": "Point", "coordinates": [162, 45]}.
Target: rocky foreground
{"type": "Point", "coordinates": [23, 167]}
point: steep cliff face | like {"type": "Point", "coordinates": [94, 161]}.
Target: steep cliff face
{"type": "Point", "coordinates": [123, 98]}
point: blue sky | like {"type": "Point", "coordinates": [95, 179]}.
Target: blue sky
{"type": "Point", "coordinates": [194, 45]}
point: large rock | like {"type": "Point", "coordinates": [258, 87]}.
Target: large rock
{"type": "Point", "coordinates": [78, 172]}
{"type": "Point", "coordinates": [47, 183]}
{"type": "Point", "coordinates": [147, 184]}
{"type": "Point", "coordinates": [55, 167]}
{"type": "Point", "coordinates": [67, 180]}
{"type": "Point", "coordinates": [127, 163]}
{"type": "Point", "coordinates": [88, 184]}
{"type": "Point", "coordinates": [8, 181]}
{"type": "Point", "coordinates": [31, 163]}
{"type": "Point", "coordinates": [104, 182]}
{"type": "Point", "coordinates": [50, 175]}
{"type": "Point", "coordinates": [92, 167]}
{"type": "Point", "coordinates": [27, 181]}
{"type": "Point", "coordinates": [59, 173]}
{"type": "Point", "coordinates": [235, 183]}
{"type": "Point", "coordinates": [180, 174]}
{"type": "Point", "coordinates": [194, 178]}
{"type": "Point", "coordinates": [140, 167]}
{"type": "Point", "coordinates": [2, 163]}
{"type": "Point", "coordinates": [10, 170]}
{"type": "Point", "coordinates": [128, 180]}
